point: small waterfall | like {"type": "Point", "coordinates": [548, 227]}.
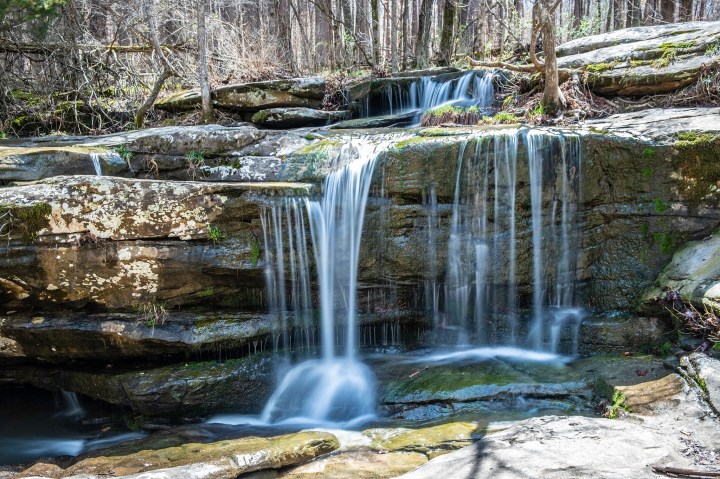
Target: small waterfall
{"type": "Point", "coordinates": [284, 238]}
{"type": "Point", "coordinates": [95, 157]}
{"type": "Point", "coordinates": [73, 409]}
{"type": "Point", "coordinates": [336, 387]}
{"type": "Point", "coordinates": [473, 87]}
{"type": "Point", "coordinates": [486, 232]}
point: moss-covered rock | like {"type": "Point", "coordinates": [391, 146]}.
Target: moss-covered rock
{"type": "Point", "coordinates": [224, 459]}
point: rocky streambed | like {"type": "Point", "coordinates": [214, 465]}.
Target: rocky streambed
{"type": "Point", "coordinates": [141, 270]}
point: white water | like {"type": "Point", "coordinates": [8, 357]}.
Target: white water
{"type": "Point", "coordinates": [473, 88]}
{"type": "Point", "coordinates": [73, 408]}
{"type": "Point", "coordinates": [96, 163]}
{"type": "Point", "coordinates": [336, 389]}
{"type": "Point", "coordinates": [484, 237]}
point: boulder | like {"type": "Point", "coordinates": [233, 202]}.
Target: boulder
{"type": "Point", "coordinates": [297, 117]}
{"type": "Point", "coordinates": [651, 397]}
{"type": "Point", "coordinates": [644, 60]}
{"type": "Point", "coordinates": [694, 272]}
{"type": "Point", "coordinates": [659, 124]}
{"type": "Point", "coordinates": [705, 372]}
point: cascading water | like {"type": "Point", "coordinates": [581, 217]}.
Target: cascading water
{"type": "Point", "coordinates": [95, 157]}
{"type": "Point", "coordinates": [481, 271]}
{"type": "Point", "coordinates": [471, 88]}
{"type": "Point", "coordinates": [337, 387]}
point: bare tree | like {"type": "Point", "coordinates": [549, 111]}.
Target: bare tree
{"type": "Point", "coordinates": [207, 109]}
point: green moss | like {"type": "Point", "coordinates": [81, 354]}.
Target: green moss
{"type": "Point", "coordinates": [660, 206]}
{"type": "Point", "coordinates": [206, 293]}
{"type": "Point", "coordinates": [500, 118]}
{"type": "Point", "coordinates": [601, 67]}
{"type": "Point", "coordinates": [667, 241]}
{"type": "Point", "coordinates": [25, 221]}
{"type": "Point", "coordinates": [255, 246]}
{"type": "Point", "coordinates": [698, 165]}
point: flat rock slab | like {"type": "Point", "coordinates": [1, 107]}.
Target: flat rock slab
{"type": "Point", "coordinates": [644, 60]}
{"type": "Point", "coordinates": [294, 92]}
{"type": "Point", "coordinates": [660, 124]}
{"type": "Point", "coordinates": [385, 121]}
{"type": "Point", "coordinates": [297, 117]}
{"type": "Point", "coordinates": [358, 464]}
{"type": "Point", "coordinates": [220, 460]}
{"type": "Point", "coordinates": [555, 447]}
{"type": "Point", "coordinates": [57, 338]}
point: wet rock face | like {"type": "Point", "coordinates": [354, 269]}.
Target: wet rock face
{"type": "Point", "coordinates": [117, 242]}
{"type": "Point", "coordinates": [83, 339]}
{"type": "Point", "coordinates": [192, 389]}
{"type": "Point", "coordinates": [643, 60]}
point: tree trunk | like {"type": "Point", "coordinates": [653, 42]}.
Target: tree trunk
{"type": "Point", "coordinates": [686, 10]}
{"type": "Point", "coordinates": [633, 13]}
{"type": "Point", "coordinates": [617, 15]}
{"type": "Point", "coordinates": [393, 35]}
{"type": "Point", "coordinates": [167, 72]}
{"type": "Point", "coordinates": [544, 22]}
{"type": "Point", "coordinates": [422, 47]}
{"type": "Point", "coordinates": [668, 11]}
{"type": "Point", "coordinates": [207, 109]}
{"type": "Point", "coordinates": [447, 34]}
{"type": "Point", "coordinates": [577, 13]}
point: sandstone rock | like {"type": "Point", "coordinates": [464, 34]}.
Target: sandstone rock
{"type": "Point", "coordinates": [694, 272]}
{"type": "Point", "coordinates": [644, 60]}
{"type": "Point", "coordinates": [707, 375]}
{"type": "Point", "coordinates": [296, 117]}
{"type": "Point", "coordinates": [557, 447]}
{"type": "Point", "coordinates": [225, 459]}
{"type": "Point", "coordinates": [385, 121]}
{"type": "Point", "coordinates": [30, 164]}
{"type": "Point", "coordinates": [358, 464]}
{"type": "Point", "coordinates": [430, 441]}
{"type": "Point", "coordinates": [660, 124]}
{"type": "Point", "coordinates": [60, 338]}
{"type": "Point", "coordinates": [652, 397]}
{"type": "Point", "coordinates": [295, 92]}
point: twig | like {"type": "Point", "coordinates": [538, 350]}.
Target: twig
{"type": "Point", "coordinates": [675, 471]}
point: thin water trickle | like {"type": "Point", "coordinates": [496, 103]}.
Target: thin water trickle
{"type": "Point", "coordinates": [95, 157]}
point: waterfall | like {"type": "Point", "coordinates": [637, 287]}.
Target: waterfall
{"type": "Point", "coordinates": [73, 409]}
{"type": "Point", "coordinates": [284, 237]}
{"type": "Point", "coordinates": [473, 87]}
{"type": "Point", "coordinates": [486, 232]}
{"type": "Point", "coordinates": [336, 387]}
{"type": "Point", "coordinates": [95, 157]}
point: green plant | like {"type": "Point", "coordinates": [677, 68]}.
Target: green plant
{"type": "Point", "coordinates": [647, 172]}
{"type": "Point", "coordinates": [648, 152]}
{"type": "Point", "coordinates": [618, 402]}
{"type": "Point", "coordinates": [660, 206]}
{"type": "Point", "coordinates": [124, 153]}
{"type": "Point", "coordinates": [3, 135]}
{"type": "Point", "coordinates": [215, 234]}
{"type": "Point", "coordinates": [255, 246]}
{"type": "Point", "coordinates": [195, 161]}
{"type": "Point", "coordinates": [152, 313]}
{"type": "Point", "coordinates": [538, 110]}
